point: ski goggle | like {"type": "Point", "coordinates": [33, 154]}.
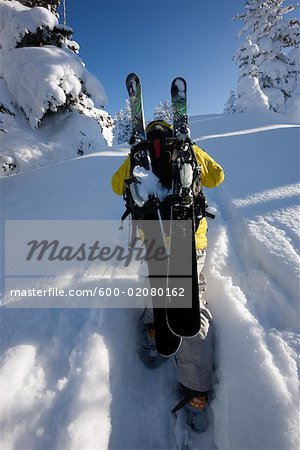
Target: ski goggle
{"type": "Point", "coordinates": [159, 125]}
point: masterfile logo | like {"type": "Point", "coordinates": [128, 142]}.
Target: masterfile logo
{"type": "Point", "coordinates": [91, 264]}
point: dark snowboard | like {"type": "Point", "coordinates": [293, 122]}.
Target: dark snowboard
{"type": "Point", "coordinates": [182, 271]}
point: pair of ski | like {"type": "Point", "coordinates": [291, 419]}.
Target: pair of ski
{"type": "Point", "coordinates": [178, 273]}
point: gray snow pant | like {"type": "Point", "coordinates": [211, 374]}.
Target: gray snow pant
{"type": "Point", "coordinates": [195, 357]}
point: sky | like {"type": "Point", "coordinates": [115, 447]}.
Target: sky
{"type": "Point", "coordinates": [159, 40]}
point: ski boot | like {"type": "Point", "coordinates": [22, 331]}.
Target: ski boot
{"type": "Point", "coordinates": [196, 410]}
{"type": "Point", "coordinates": [195, 405]}
{"type": "Point", "coordinates": [148, 353]}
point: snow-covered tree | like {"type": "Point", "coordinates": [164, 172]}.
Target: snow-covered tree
{"type": "Point", "coordinates": [263, 60]}
{"type": "Point", "coordinates": [42, 77]}
{"type": "Point", "coordinates": [52, 5]}
{"type": "Point", "coordinates": [249, 93]}
{"type": "Point", "coordinates": [293, 103]}
{"type": "Point", "coordinates": [122, 125]}
{"type": "Point", "coordinates": [163, 111]}
{"type": "Point", "coordinates": [59, 35]}
{"type": "Point", "coordinates": [230, 106]}
{"type": "Point", "coordinates": [61, 77]}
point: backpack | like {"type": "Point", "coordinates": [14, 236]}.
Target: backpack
{"type": "Point", "coordinates": [160, 147]}
{"type": "Point", "coordinates": [159, 138]}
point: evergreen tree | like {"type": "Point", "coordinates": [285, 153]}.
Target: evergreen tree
{"type": "Point", "coordinates": [122, 125]}
{"type": "Point", "coordinates": [293, 103]}
{"type": "Point", "coordinates": [163, 111]}
{"type": "Point", "coordinates": [58, 35]}
{"type": "Point", "coordinates": [41, 79]}
{"type": "Point", "coordinates": [249, 93]}
{"type": "Point", "coordinates": [51, 5]}
{"type": "Point", "coordinates": [274, 72]}
{"type": "Point", "coordinates": [75, 88]}
{"type": "Point", "coordinates": [230, 106]}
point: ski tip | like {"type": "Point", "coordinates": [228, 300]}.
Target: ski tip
{"type": "Point", "coordinates": [178, 85]}
{"type": "Point", "coordinates": [131, 76]}
{"type": "Point", "coordinates": [178, 78]}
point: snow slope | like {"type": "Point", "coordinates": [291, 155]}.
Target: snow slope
{"type": "Point", "coordinates": [72, 379]}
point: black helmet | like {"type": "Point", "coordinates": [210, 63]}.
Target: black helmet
{"type": "Point", "coordinates": [158, 129]}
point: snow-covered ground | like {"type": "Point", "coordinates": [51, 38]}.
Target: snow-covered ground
{"type": "Point", "coordinates": [72, 378]}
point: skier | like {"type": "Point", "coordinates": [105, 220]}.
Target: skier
{"type": "Point", "coordinates": [195, 357]}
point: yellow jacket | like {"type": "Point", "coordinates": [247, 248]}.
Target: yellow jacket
{"type": "Point", "coordinates": [211, 176]}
